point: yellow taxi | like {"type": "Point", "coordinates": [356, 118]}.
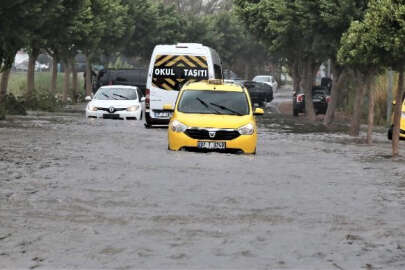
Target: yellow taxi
{"type": "Point", "coordinates": [402, 125]}
{"type": "Point", "coordinates": [213, 115]}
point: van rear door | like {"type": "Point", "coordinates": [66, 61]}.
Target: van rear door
{"type": "Point", "coordinates": [170, 72]}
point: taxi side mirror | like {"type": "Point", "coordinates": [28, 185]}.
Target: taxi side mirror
{"type": "Point", "coordinates": [394, 102]}
{"type": "Point", "coordinates": [168, 107]}
{"type": "Point", "coordinates": [88, 98]}
{"type": "Point", "coordinates": [258, 111]}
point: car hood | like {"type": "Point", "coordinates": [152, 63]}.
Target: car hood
{"type": "Point", "coordinates": [213, 120]}
{"type": "Point", "coordinates": [113, 103]}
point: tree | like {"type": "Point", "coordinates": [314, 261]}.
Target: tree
{"type": "Point", "coordinates": [103, 25]}
{"type": "Point", "coordinates": [336, 17]}
{"type": "Point", "coordinates": [17, 19]}
{"type": "Point", "coordinates": [291, 30]}
{"type": "Point", "coordinates": [62, 36]}
{"type": "Point", "coordinates": [378, 41]}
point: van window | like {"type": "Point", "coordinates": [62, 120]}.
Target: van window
{"type": "Point", "coordinates": [171, 72]}
{"type": "Point", "coordinates": [218, 72]}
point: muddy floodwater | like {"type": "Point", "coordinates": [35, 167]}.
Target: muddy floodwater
{"type": "Point", "coordinates": [81, 194]}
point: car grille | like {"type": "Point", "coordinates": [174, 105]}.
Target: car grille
{"type": "Point", "coordinates": [115, 109]}
{"type": "Point", "coordinates": [203, 134]}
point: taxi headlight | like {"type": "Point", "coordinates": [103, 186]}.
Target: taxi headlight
{"type": "Point", "coordinates": [92, 108]}
{"type": "Point", "coordinates": [248, 129]}
{"type": "Point", "coordinates": [133, 108]}
{"type": "Point", "coordinates": [178, 126]}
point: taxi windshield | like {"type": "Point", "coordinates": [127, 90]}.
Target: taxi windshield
{"type": "Point", "coordinates": [213, 102]}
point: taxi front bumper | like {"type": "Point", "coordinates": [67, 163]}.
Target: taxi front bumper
{"type": "Point", "coordinates": [180, 140]}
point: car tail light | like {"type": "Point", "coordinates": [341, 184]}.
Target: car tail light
{"type": "Point", "coordinates": [147, 99]}
{"type": "Point", "coordinates": [328, 99]}
{"type": "Point", "coordinates": [300, 98]}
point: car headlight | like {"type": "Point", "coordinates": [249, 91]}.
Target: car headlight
{"type": "Point", "coordinates": [133, 108]}
{"type": "Point", "coordinates": [92, 108]}
{"type": "Point", "coordinates": [248, 129]}
{"type": "Point", "coordinates": [178, 126]}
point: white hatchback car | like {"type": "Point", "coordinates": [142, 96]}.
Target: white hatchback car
{"type": "Point", "coordinates": [267, 79]}
{"type": "Point", "coordinates": [116, 102]}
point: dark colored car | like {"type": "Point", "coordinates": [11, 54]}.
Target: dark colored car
{"type": "Point", "coordinates": [259, 92]}
{"type": "Point", "coordinates": [320, 98]}
{"type": "Point", "coordinates": [134, 77]}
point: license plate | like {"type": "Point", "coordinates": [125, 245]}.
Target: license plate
{"type": "Point", "coordinates": [211, 145]}
{"type": "Point", "coordinates": [163, 114]}
{"type": "Point", "coordinates": [111, 116]}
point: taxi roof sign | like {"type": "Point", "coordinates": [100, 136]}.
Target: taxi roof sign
{"type": "Point", "coordinates": [216, 81]}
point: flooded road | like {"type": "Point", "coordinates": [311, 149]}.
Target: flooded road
{"type": "Point", "coordinates": [108, 194]}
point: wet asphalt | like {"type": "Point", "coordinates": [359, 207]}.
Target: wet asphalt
{"type": "Point", "coordinates": [105, 194]}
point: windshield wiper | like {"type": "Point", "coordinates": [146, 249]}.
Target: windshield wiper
{"type": "Point", "coordinates": [117, 95]}
{"type": "Point", "coordinates": [107, 96]}
{"type": "Point", "coordinates": [226, 109]}
{"type": "Point", "coordinates": [206, 105]}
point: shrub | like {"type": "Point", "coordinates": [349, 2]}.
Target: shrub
{"type": "Point", "coordinates": [2, 111]}
{"type": "Point", "coordinates": [14, 106]}
{"type": "Point", "coordinates": [44, 101]}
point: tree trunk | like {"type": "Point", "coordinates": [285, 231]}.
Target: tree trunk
{"type": "Point", "coordinates": [54, 73]}
{"type": "Point", "coordinates": [88, 77]}
{"type": "Point", "coordinates": [358, 102]}
{"type": "Point", "coordinates": [4, 84]}
{"type": "Point", "coordinates": [371, 105]}
{"type": "Point", "coordinates": [31, 72]}
{"type": "Point", "coordinates": [296, 75]}
{"type": "Point", "coordinates": [338, 78]}
{"type": "Point", "coordinates": [308, 84]}
{"type": "Point", "coordinates": [75, 81]}
{"type": "Point", "coordinates": [66, 87]}
{"type": "Point", "coordinates": [397, 114]}
{"type": "Point", "coordinates": [390, 75]}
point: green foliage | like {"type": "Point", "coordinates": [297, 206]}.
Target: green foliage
{"type": "Point", "coordinates": [43, 101]}
{"type": "Point", "coordinates": [19, 20]}
{"type": "Point", "coordinates": [119, 64]}
{"type": "Point", "coordinates": [378, 39]}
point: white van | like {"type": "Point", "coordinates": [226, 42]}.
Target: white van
{"type": "Point", "coordinates": [171, 66]}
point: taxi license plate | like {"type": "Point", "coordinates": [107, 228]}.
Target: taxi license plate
{"type": "Point", "coordinates": [212, 145]}
{"type": "Point", "coordinates": [163, 114]}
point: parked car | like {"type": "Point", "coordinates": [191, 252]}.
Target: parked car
{"type": "Point", "coordinates": [259, 92]}
{"type": "Point", "coordinates": [130, 76]}
{"type": "Point", "coordinates": [116, 102]}
{"type": "Point", "coordinates": [213, 116]}
{"type": "Point", "coordinates": [402, 125]}
{"type": "Point", "coordinates": [268, 79]}
{"type": "Point", "coordinates": [320, 98]}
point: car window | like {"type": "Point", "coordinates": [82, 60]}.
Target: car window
{"type": "Point", "coordinates": [213, 102]}
{"type": "Point", "coordinates": [116, 94]}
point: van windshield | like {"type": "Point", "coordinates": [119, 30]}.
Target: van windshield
{"type": "Point", "coordinates": [171, 72]}
{"type": "Point", "coordinates": [213, 102]}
